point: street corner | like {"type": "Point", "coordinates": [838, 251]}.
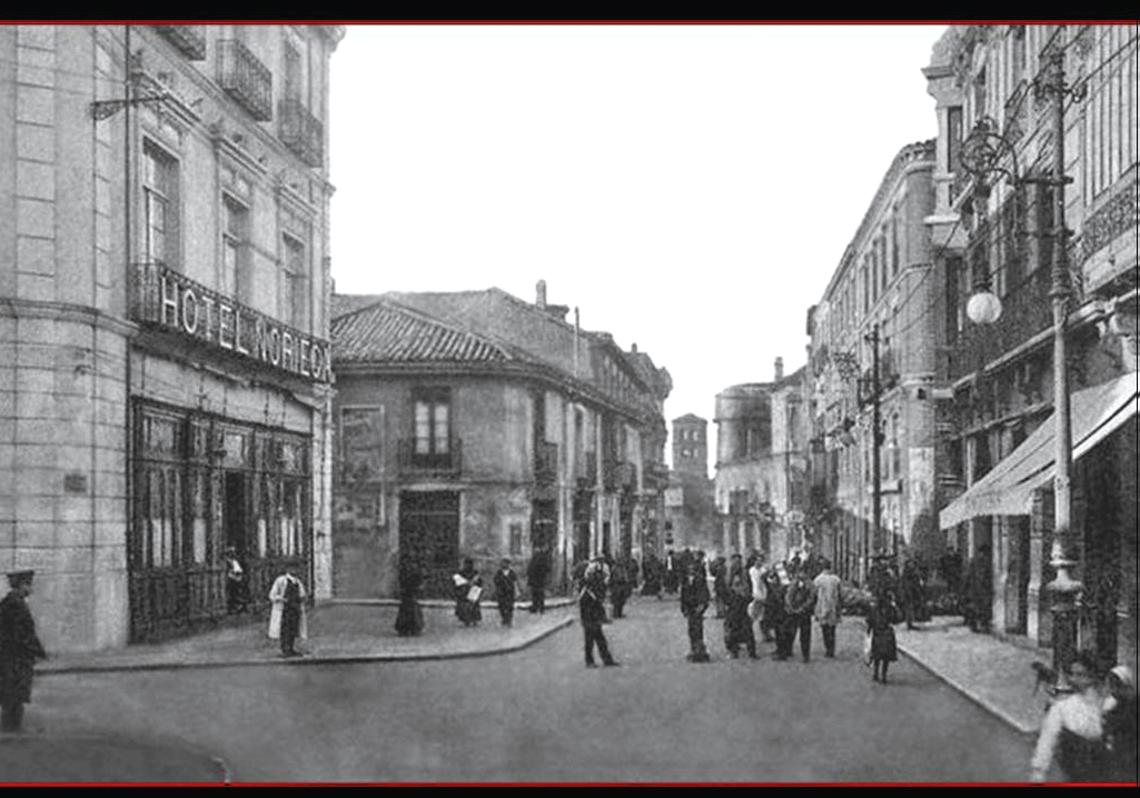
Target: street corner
{"type": "Point", "coordinates": [36, 756]}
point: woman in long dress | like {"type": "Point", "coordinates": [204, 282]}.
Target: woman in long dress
{"type": "Point", "coordinates": [410, 616]}
{"type": "Point", "coordinates": [466, 581]}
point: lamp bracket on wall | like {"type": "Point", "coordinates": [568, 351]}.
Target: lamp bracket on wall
{"type": "Point", "coordinates": [105, 109]}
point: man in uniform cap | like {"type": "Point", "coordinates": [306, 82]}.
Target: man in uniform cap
{"type": "Point", "coordinates": [19, 648]}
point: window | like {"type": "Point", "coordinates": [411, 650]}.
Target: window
{"type": "Point", "coordinates": [432, 422]}
{"type": "Point", "coordinates": [954, 138]}
{"type": "Point", "coordinates": [296, 283]}
{"type": "Point", "coordinates": [160, 206]}
{"type": "Point", "coordinates": [293, 77]}
{"type": "Point", "coordinates": [235, 237]}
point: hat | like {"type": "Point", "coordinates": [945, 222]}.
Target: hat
{"type": "Point", "coordinates": [1124, 674]}
{"type": "Point", "coordinates": [17, 578]}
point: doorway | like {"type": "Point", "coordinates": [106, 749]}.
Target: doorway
{"type": "Point", "coordinates": [234, 521]}
{"type": "Point", "coordinates": [429, 538]}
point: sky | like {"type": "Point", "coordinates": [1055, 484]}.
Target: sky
{"type": "Point", "coordinates": [689, 188]}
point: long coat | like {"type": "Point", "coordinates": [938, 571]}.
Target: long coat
{"type": "Point", "coordinates": [19, 649]}
{"type": "Point", "coordinates": [827, 599]}
{"type": "Point", "coordinates": [277, 598]}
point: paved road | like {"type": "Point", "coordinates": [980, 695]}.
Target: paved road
{"type": "Point", "coordinates": [540, 715]}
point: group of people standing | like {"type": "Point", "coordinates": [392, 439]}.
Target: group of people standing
{"type": "Point", "coordinates": [781, 600]}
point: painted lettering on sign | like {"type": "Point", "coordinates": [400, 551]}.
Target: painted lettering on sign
{"type": "Point", "coordinates": [178, 303]}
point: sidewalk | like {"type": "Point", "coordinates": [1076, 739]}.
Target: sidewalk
{"type": "Point", "coordinates": [339, 631]}
{"type": "Point", "coordinates": [992, 672]}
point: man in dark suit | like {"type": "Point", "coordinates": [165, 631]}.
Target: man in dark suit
{"type": "Point", "coordinates": [536, 576]}
{"type": "Point", "coordinates": [694, 603]}
{"type": "Point", "coordinates": [593, 614]}
{"type": "Point", "coordinates": [19, 649]}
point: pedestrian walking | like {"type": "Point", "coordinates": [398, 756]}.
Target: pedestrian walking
{"type": "Point", "coordinates": [772, 623]}
{"type": "Point", "coordinates": [506, 586]}
{"type": "Point", "coordinates": [410, 616]}
{"type": "Point", "coordinates": [237, 585]}
{"type": "Point", "coordinates": [287, 619]}
{"type": "Point", "coordinates": [592, 612]}
{"type": "Point", "coordinates": [882, 649]}
{"type": "Point", "coordinates": [672, 573]}
{"type": "Point", "coordinates": [468, 591]}
{"type": "Point", "coordinates": [799, 604]}
{"type": "Point", "coordinates": [759, 589]}
{"type": "Point", "coordinates": [694, 603]}
{"type": "Point", "coordinates": [622, 580]}
{"type": "Point", "coordinates": [737, 622]}
{"type": "Point", "coordinates": [1071, 733]}
{"type": "Point", "coordinates": [827, 605]}
{"type": "Point", "coordinates": [1119, 720]}
{"type": "Point", "coordinates": [651, 576]}
{"type": "Point", "coordinates": [718, 570]}
{"type": "Point", "coordinates": [537, 572]}
{"type": "Point", "coordinates": [19, 650]}
{"type": "Point", "coordinates": [913, 584]}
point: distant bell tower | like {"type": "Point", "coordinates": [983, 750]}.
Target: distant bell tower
{"type": "Point", "coordinates": [691, 445]}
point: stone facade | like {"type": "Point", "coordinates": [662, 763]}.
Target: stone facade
{"type": "Point", "coordinates": [97, 190]}
{"type": "Point", "coordinates": [998, 230]}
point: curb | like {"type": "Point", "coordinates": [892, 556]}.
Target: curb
{"type": "Point", "coordinates": [985, 704]}
{"type": "Point", "coordinates": [331, 659]}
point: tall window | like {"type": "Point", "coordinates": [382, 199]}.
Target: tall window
{"type": "Point", "coordinates": [296, 283]}
{"type": "Point", "coordinates": [432, 422]}
{"type": "Point", "coordinates": [293, 76]}
{"type": "Point", "coordinates": [160, 205]}
{"type": "Point", "coordinates": [954, 138]}
{"type": "Point", "coordinates": [235, 235]}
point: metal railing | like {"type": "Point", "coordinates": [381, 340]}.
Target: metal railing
{"type": "Point", "coordinates": [245, 79]}
{"type": "Point", "coordinates": [449, 462]}
{"type": "Point", "coordinates": [302, 132]}
{"type": "Point", "coordinates": [189, 39]}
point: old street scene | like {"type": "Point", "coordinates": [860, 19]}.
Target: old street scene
{"type": "Point", "coordinates": [549, 403]}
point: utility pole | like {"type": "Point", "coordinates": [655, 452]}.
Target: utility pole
{"type": "Point", "coordinates": [1064, 588]}
{"type": "Point", "coordinates": [876, 424]}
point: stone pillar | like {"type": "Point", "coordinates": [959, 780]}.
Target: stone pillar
{"type": "Point", "coordinates": [1001, 555]}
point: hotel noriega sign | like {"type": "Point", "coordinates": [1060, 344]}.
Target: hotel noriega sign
{"type": "Point", "coordinates": [172, 301]}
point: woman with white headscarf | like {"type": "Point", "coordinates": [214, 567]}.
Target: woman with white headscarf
{"type": "Point", "coordinates": [1120, 724]}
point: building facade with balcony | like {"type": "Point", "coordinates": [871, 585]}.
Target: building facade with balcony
{"type": "Point", "coordinates": [999, 235]}
{"type": "Point", "coordinates": [761, 467]}
{"type": "Point", "coordinates": [473, 424]}
{"type": "Point", "coordinates": [166, 365]}
{"type": "Point", "coordinates": [881, 304]}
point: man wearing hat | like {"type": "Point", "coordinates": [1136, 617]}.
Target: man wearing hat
{"type": "Point", "coordinates": [19, 648]}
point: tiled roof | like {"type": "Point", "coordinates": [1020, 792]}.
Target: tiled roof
{"type": "Point", "coordinates": [384, 332]}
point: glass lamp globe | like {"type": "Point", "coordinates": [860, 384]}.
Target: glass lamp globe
{"type": "Point", "coordinates": [983, 308]}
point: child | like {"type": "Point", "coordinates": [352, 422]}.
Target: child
{"type": "Point", "coordinates": [880, 619]}
{"type": "Point", "coordinates": [506, 584]}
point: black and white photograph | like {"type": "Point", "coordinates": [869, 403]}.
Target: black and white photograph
{"type": "Point", "coordinates": [527, 402]}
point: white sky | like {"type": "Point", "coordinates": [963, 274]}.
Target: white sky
{"type": "Point", "coordinates": [690, 188]}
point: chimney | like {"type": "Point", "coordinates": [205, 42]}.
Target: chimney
{"type": "Point", "coordinates": [633, 348]}
{"type": "Point", "coordinates": [779, 369]}
{"type": "Point", "coordinates": [540, 294]}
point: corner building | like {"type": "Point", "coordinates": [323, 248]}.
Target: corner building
{"type": "Point", "coordinates": [164, 360]}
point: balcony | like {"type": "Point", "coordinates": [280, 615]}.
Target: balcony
{"type": "Point", "coordinates": [618, 475]}
{"type": "Point", "coordinates": [586, 470]}
{"type": "Point", "coordinates": [1026, 312]}
{"type": "Point", "coordinates": [447, 463]}
{"type": "Point", "coordinates": [189, 39]}
{"type": "Point", "coordinates": [546, 464]}
{"type": "Point", "coordinates": [302, 132]}
{"type": "Point", "coordinates": [245, 79]}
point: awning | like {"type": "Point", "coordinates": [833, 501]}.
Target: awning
{"type": "Point", "coordinates": [1007, 488]}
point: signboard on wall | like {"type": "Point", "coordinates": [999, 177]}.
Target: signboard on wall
{"type": "Point", "coordinates": [674, 497]}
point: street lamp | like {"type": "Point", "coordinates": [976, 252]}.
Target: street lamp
{"type": "Point", "coordinates": [982, 153]}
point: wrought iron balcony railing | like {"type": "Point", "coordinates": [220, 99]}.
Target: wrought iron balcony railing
{"type": "Point", "coordinates": [189, 39]}
{"type": "Point", "coordinates": [586, 470]}
{"type": "Point", "coordinates": [302, 132]}
{"type": "Point", "coordinates": [546, 463]}
{"type": "Point", "coordinates": [1026, 311]}
{"type": "Point", "coordinates": [245, 79]}
{"type": "Point", "coordinates": [437, 463]}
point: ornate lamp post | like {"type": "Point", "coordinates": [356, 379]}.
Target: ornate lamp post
{"type": "Point", "coordinates": [982, 153]}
